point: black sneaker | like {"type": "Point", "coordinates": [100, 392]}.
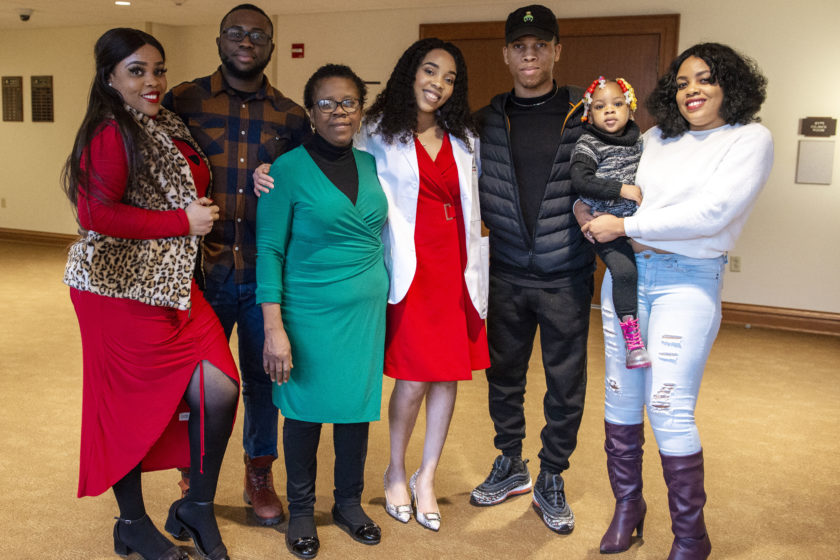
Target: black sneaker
{"type": "Point", "coordinates": [508, 477]}
{"type": "Point", "coordinates": [550, 503]}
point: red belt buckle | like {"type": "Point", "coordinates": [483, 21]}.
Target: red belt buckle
{"type": "Point", "coordinates": [446, 208]}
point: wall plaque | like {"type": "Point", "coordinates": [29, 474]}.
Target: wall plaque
{"type": "Point", "coordinates": [818, 126]}
{"type": "Point", "coordinates": [12, 98]}
{"type": "Point", "coordinates": [815, 162]}
{"type": "Point", "coordinates": [42, 99]}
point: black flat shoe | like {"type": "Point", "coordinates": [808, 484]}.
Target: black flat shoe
{"type": "Point", "coordinates": [141, 536]}
{"type": "Point", "coordinates": [179, 529]}
{"type": "Point", "coordinates": [302, 537]}
{"type": "Point", "coordinates": [362, 528]}
{"type": "Point", "coordinates": [304, 547]}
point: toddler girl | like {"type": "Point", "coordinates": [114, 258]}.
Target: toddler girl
{"type": "Point", "coordinates": [603, 172]}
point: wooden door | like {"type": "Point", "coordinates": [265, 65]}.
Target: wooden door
{"type": "Point", "coordinates": [636, 48]}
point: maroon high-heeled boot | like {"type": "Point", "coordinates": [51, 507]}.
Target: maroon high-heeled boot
{"type": "Point", "coordinates": [686, 498]}
{"type": "Point", "coordinates": [623, 445]}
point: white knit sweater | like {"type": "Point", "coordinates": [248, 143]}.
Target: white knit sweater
{"type": "Point", "coordinates": [698, 189]}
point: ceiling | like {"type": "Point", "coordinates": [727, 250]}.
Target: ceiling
{"type": "Point", "coordinates": [67, 13]}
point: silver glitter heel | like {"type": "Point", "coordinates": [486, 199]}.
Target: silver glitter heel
{"type": "Point", "coordinates": [430, 521]}
{"type": "Point", "coordinates": [401, 513]}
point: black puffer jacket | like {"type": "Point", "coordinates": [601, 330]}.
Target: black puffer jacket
{"type": "Point", "coordinates": [557, 250]}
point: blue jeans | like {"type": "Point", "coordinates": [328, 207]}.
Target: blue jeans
{"type": "Point", "coordinates": [236, 304]}
{"type": "Point", "coordinates": [679, 317]}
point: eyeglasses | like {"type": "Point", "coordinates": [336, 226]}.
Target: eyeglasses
{"type": "Point", "coordinates": [237, 35]}
{"type": "Point", "coordinates": [349, 105]}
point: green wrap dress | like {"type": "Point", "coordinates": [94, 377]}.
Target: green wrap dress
{"type": "Point", "coordinates": [321, 257]}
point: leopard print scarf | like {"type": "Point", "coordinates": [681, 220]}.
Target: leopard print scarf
{"type": "Point", "coordinates": [153, 271]}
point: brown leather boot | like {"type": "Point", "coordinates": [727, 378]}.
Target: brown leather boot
{"type": "Point", "coordinates": [259, 490]}
{"type": "Point", "coordinates": [184, 483]}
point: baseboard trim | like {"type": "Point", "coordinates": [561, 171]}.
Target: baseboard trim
{"type": "Point", "coordinates": [779, 318]}
{"type": "Point", "coordinates": [37, 237]}
{"type": "Point", "coordinates": [782, 318]}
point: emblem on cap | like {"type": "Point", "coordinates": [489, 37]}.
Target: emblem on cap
{"type": "Point", "coordinates": [528, 17]}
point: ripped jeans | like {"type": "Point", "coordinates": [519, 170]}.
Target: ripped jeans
{"type": "Point", "coordinates": [679, 317]}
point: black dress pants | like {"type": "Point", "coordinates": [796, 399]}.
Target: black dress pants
{"type": "Point", "coordinates": [300, 447]}
{"type": "Point", "coordinates": [562, 315]}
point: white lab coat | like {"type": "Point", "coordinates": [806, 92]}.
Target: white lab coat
{"type": "Point", "coordinates": [399, 174]}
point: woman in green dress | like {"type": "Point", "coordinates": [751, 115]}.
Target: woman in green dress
{"type": "Point", "coordinates": [323, 287]}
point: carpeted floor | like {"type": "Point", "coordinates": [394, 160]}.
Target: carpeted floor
{"type": "Point", "coordinates": [769, 414]}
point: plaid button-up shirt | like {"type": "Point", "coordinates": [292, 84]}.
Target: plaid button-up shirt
{"type": "Point", "coordinates": [236, 134]}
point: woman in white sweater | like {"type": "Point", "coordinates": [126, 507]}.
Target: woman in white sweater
{"type": "Point", "coordinates": [701, 171]}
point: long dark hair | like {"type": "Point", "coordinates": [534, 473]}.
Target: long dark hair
{"type": "Point", "coordinates": [106, 103]}
{"type": "Point", "coordinates": [744, 88]}
{"type": "Point", "coordinates": [396, 106]}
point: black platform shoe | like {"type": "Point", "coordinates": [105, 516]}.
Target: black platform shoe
{"type": "Point", "coordinates": [181, 530]}
{"type": "Point", "coordinates": [302, 538]}
{"type": "Point", "coordinates": [355, 522]}
{"type": "Point", "coordinates": [141, 536]}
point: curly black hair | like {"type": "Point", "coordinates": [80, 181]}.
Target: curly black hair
{"type": "Point", "coordinates": [395, 107]}
{"type": "Point", "coordinates": [332, 71]}
{"type": "Point", "coordinates": [744, 88]}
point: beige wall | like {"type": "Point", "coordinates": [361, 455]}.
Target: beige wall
{"type": "Point", "coordinates": [31, 154]}
{"type": "Point", "coordinates": [787, 250]}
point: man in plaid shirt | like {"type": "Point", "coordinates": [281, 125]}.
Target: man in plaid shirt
{"type": "Point", "coordinates": [241, 121]}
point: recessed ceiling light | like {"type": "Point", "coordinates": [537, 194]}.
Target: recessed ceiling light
{"type": "Point", "coordinates": [121, 3]}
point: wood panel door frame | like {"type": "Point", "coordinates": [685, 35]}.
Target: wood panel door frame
{"type": "Point", "coordinates": [665, 27]}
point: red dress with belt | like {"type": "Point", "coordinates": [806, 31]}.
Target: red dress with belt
{"type": "Point", "coordinates": [435, 332]}
{"type": "Point", "coordinates": [138, 358]}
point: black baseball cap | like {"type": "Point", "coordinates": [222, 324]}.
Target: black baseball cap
{"type": "Point", "coordinates": [534, 20]}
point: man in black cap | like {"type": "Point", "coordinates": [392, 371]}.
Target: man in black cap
{"type": "Point", "coordinates": [541, 266]}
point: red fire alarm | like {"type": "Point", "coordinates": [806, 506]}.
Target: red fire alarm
{"type": "Point", "coordinates": [297, 50]}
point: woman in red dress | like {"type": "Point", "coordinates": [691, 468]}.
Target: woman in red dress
{"type": "Point", "coordinates": [160, 385]}
{"type": "Point", "coordinates": [421, 134]}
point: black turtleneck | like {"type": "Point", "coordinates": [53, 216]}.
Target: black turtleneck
{"type": "Point", "coordinates": [535, 131]}
{"type": "Point", "coordinates": [337, 163]}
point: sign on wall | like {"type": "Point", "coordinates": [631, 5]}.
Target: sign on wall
{"type": "Point", "coordinates": [13, 98]}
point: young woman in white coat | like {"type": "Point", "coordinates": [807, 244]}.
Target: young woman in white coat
{"type": "Point", "coordinates": [421, 134]}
